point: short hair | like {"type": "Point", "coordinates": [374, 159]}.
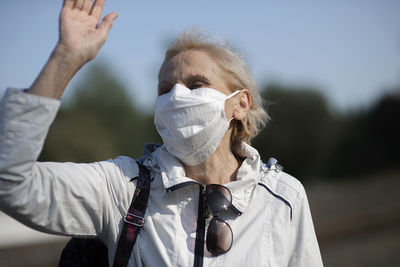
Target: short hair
{"type": "Point", "coordinates": [237, 76]}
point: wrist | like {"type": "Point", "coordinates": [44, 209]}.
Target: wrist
{"type": "Point", "coordinates": [67, 58]}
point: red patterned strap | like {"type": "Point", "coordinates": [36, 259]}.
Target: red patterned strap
{"type": "Point", "coordinates": [134, 219]}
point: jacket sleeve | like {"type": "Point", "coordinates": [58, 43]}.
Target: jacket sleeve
{"type": "Point", "coordinates": [305, 249]}
{"type": "Point", "coordinates": [61, 198]}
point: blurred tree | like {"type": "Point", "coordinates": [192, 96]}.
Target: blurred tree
{"type": "Point", "coordinates": [301, 133]}
{"type": "Point", "coordinates": [311, 141]}
{"type": "Point", "coordinates": [369, 139]}
{"type": "Point", "coordinates": [383, 122]}
{"type": "Point", "coordinates": [99, 123]}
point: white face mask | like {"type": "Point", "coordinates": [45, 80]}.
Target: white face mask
{"type": "Point", "coordinates": [191, 123]}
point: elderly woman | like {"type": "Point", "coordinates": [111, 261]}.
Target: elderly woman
{"type": "Point", "coordinates": [207, 111]}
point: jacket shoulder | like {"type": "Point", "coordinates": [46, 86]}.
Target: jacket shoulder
{"type": "Point", "coordinates": [129, 168]}
{"type": "Point", "coordinates": [282, 185]}
{"type": "Point", "coordinates": [126, 166]}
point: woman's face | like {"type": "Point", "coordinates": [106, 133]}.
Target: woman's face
{"type": "Point", "coordinates": [196, 69]}
{"type": "Point", "coordinates": [193, 69]}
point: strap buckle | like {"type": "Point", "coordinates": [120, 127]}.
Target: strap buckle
{"type": "Point", "coordinates": [139, 220]}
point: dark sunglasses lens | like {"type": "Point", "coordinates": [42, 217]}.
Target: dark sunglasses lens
{"type": "Point", "coordinates": [218, 198]}
{"type": "Point", "coordinates": [219, 237]}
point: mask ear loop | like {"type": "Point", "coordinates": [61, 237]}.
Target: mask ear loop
{"type": "Point", "coordinates": [229, 96]}
{"type": "Point", "coordinates": [233, 94]}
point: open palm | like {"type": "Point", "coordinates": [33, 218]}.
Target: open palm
{"type": "Point", "coordinates": [80, 31]}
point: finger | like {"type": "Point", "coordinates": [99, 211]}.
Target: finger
{"type": "Point", "coordinates": [68, 3]}
{"type": "Point", "coordinates": [87, 6]}
{"type": "Point", "coordinates": [78, 4]}
{"type": "Point", "coordinates": [97, 9]}
{"type": "Point", "coordinates": [107, 22]}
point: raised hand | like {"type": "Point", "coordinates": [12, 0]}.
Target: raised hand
{"type": "Point", "coordinates": [80, 32]}
{"type": "Point", "coordinates": [80, 38]}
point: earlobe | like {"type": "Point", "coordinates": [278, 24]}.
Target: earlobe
{"type": "Point", "coordinates": [243, 105]}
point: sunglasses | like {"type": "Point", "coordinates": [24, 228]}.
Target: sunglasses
{"type": "Point", "coordinates": [219, 234]}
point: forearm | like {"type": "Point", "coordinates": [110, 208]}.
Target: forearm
{"type": "Point", "coordinates": [56, 74]}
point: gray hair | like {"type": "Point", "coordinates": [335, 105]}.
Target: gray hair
{"type": "Point", "coordinates": [236, 74]}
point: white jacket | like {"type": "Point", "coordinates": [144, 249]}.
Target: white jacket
{"type": "Point", "coordinates": [275, 228]}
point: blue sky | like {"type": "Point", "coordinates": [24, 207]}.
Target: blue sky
{"type": "Point", "coordinates": [349, 50]}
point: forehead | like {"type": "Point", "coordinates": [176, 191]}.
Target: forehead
{"type": "Point", "coordinates": [189, 63]}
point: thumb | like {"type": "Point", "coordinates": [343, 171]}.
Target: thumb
{"type": "Point", "coordinates": [108, 21]}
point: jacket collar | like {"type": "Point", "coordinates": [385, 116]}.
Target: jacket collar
{"type": "Point", "coordinates": [174, 177]}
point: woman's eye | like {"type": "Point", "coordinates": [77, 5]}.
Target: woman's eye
{"type": "Point", "coordinates": [164, 90]}
{"type": "Point", "coordinates": [196, 85]}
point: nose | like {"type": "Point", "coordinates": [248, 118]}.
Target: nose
{"type": "Point", "coordinates": [180, 83]}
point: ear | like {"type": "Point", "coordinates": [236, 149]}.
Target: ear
{"type": "Point", "coordinates": [242, 104]}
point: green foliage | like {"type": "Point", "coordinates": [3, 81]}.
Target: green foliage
{"type": "Point", "coordinates": [369, 139]}
{"type": "Point", "coordinates": [311, 141]}
{"type": "Point", "coordinates": [301, 130]}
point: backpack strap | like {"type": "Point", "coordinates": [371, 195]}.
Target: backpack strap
{"type": "Point", "coordinates": [134, 219]}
